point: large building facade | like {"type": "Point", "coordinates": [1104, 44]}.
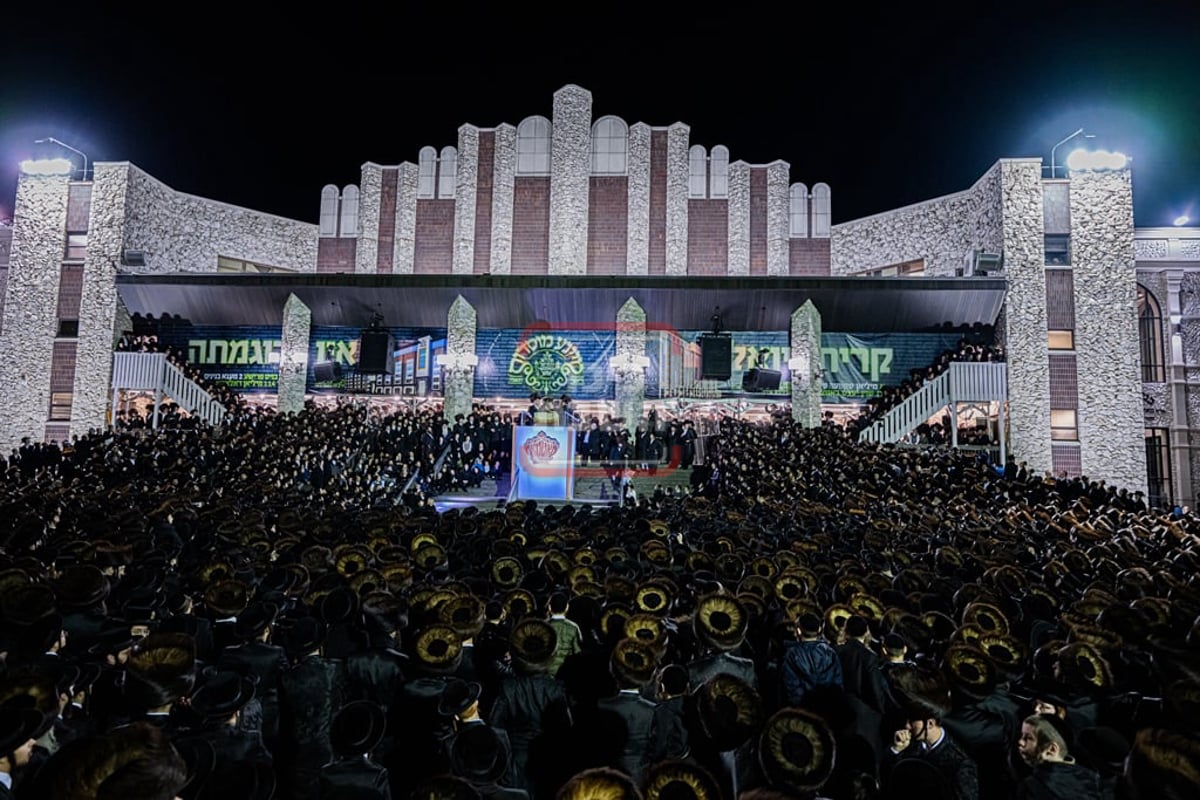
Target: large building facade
{"type": "Point", "coordinates": [1099, 321]}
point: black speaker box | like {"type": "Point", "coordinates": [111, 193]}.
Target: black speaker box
{"type": "Point", "coordinates": [376, 353]}
{"type": "Point", "coordinates": [716, 357]}
{"type": "Point", "coordinates": [760, 380]}
{"type": "Point", "coordinates": [327, 371]}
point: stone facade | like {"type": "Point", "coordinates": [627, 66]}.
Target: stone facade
{"type": "Point", "coordinates": [458, 379]}
{"type": "Point", "coordinates": [629, 376]}
{"type": "Point", "coordinates": [504, 168]}
{"type": "Point", "coordinates": [638, 230]}
{"type": "Point", "coordinates": [293, 356]}
{"type": "Point", "coordinates": [465, 193]}
{"type": "Point", "coordinates": [366, 254]}
{"type": "Point", "coordinates": [805, 364]}
{"type": "Point", "coordinates": [677, 198]}
{"type": "Point", "coordinates": [1106, 332]}
{"type": "Point", "coordinates": [570, 167]}
{"type": "Point", "coordinates": [405, 247]}
{"type": "Point", "coordinates": [778, 222]}
{"type": "Point", "coordinates": [739, 218]}
{"type": "Point", "coordinates": [30, 321]}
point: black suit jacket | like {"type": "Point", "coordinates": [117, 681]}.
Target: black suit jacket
{"type": "Point", "coordinates": [354, 779]}
{"type": "Point", "coordinates": [637, 725]}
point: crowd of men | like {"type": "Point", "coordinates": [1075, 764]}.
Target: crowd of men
{"type": "Point", "coordinates": [259, 611]}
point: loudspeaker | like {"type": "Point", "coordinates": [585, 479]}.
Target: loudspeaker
{"type": "Point", "coordinates": [716, 356]}
{"type": "Point", "coordinates": [327, 371]}
{"type": "Point", "coordinates": [759, 380]}
{"type": "Point", "coordinates": [376, 353]}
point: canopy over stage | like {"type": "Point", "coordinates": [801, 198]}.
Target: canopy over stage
{"type": "Point", "coordinates": [851, 304]}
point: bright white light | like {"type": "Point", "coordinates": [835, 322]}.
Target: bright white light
{"type": "Point", "coordinates": [1182, 220]}
{"type": "Point", "coordinates": [1096, 160]}
{"type": "Point", "coordinates": [47, 166]}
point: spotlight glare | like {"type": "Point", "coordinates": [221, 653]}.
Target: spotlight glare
{"type": "Point", "coordinates": [1181, 220]}
{"type": "Point", "coordinates": [47, 166]}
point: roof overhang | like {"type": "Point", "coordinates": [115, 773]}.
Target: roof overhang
{"type": "Point", "coordinates": [846, 304]}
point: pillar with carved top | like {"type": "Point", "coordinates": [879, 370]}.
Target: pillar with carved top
{"type": "Point", "coordinates": [458, 362]}
{"type": "Point", "coordinates": [630, 362]}
{"type": "Point", "coordinates": [805, 365]}
{"type": "Point", "coordinates": [293, 355]}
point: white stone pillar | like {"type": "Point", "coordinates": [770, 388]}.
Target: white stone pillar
{"type": "Point", "coordinates": [504, 171]}
{"type": "Point", "coordinates": [293, 356]}
{"type": "Point", "coordinates": [678, 137]}
{"type": "Point", "coordinates": [1107, 341]}
{"type": "Point", "coordinates": [466, 190]}
{"type": "Point", "coordinates": [805, 365]}
{"type": "Point", "coordinates": [570, 172]}
{"type": "Point", "coordinates": [638, 200]}
{"type": "Point", "coordinates": [30, 307]}
{"type": "Point", "coordinates": [630, 362]}
{"type": "Point", "coordinates": [370, 197]}
{"type": "Point", "coordinates": [778, 221]}
{"type": "Point", "coordinates": [458, 363]}
{"type": "Point", "coordinates": [404, 249]}
{"type": "Point", "coordinates": [739, 218]}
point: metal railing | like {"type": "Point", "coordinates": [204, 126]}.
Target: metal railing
{"type": "Point", "coordinates": [963, 381]}
{"type": "Point", "coordinates": [152, 372]}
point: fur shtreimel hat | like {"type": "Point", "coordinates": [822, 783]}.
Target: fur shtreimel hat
{"type": "Point", "coordinates": [599, 783]}
{"type": "Point", "coordinates": [533, 642]}
{"type": "Point", "coordinates": [160, 670]}
{"type": "Point", "coordinates": [438, 649]}
{"type": "Point", "coordinates": [923, 693]}
{"type": "Point", "coordinates": [680, 780]}
{"type": "Point", "coordinates": [797, 750]}
{"type": "Point", "coordinates": [730, 711]}
{"type": "Point", "coordinates": [721, 621]}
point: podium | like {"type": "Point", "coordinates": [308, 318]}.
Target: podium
{"type": "Point", "coordinates": [543, 462]}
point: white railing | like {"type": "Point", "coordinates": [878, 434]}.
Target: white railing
{"type": "Point", "coordinates": [152, 372]}
{"type": "Point", "coordinates": [964, 381]}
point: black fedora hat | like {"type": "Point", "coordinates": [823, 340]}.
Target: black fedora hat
{"type": "Point", "coordinates": [257, 617]}
{"type": "Point", "coordinates": [21, 721]}
{"type": "Point", "coordinates": [675, 779]}
{"type": "Point", "coordinates": [81, 586]}
{"type": "Point", "coordinates": [457, 696]}
{"type": "Point", "coordinates": [303, 636]}
{"type": "Point", "coordinates": [797, 750]}
{"type": "Point", "coordinates": [479, 754]}
{"type": "Point", "coordinates": [357, 728]}
{"type": "Point", "coordinates": [221, 693]}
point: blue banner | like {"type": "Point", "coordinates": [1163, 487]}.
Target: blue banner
{"type": "Point", "coordinates": [544, 462]}
{"type": "Point", "coordinates": [550, 363]}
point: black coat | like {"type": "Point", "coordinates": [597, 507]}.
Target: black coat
{"type": "Point", "coordinates": [354, 779]}
{"type": "Point", "coordinates": [1058, 781]}
{"type": "Point", "coordinates": [526, 707]}
{"type": "Point", "coordinates": [951, 760]}
{"type": "Point", "coordinates": [705, 667]}
{"type": "Point", "coordinates": [630, 720]}
{"type": "Point", "coordinates": [309, 695]}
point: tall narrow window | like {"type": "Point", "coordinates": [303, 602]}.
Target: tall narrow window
{"type": "Point", "coordinates": [447, 172]}
{"type": "Point", "coordinates": [821, 212]}
{"type": "Point", "coordinates": [76, 247]}
{"type": "Point", "coordinates": [798, 211]}
{"type": "Point", "coordinates": [718, 172]}
{"type": "Point", "coordinates": [697, 172]}
{"type": "Point", "coordinates": [349, 228]}
{"type": "Point", "coordinates": [533, 146]}
{"type": "Point", "coordinates": [1154, 369]}
{"type": "Point", "coordinates": [329, 211]}
{"type": "Point", "coordinates": [426, 172]}
{"type": "Point", "coordinates": [610, 146]}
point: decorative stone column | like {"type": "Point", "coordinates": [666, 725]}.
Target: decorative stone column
{"type": "Point", "coordinates": [458, 363]}
{"type": "Point", "coordinates": [570, 173]}
{"type": "Point", "coordinates": [466, 191]}
{"type": "Point", "coordinates": [30, 307]}
{"type": "Point", "coordinates": [293, 356]}
{"type": "Point", "coordinates": [638, 209]}
{"type": "Point", "coordinates": [778, 217]}
{"type": "Point", "coordinates": [370, 198]}
{"type": "Point", "coordinates": [678, 137]}
{"type": "Point", "coordinates": [805, 364]}
{"type": "Point", "coordinates": [504, 169]}
{"type": "Point", "coordinates": [404, 248]}
{"type": "Point", "coordinates": [739, 218]}
{"type": "Point", "coordinates": [630, 362]}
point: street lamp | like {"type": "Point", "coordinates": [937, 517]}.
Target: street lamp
{"type": "Point", "coordinates": [54, 166]}
{"type": "Point", "coordinates": [1053, 150]}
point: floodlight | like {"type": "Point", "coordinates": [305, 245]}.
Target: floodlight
{"type": "Point", "coordinates": [1095, 160]}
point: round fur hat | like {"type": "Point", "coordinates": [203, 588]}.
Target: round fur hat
{"type": "Point", "coordinates": [721, 621]}
{"type": "Point", "coordinates": [533, 642]}
{"type": "Point", "coordinates": [797, 750]}
{"type": "Point", "coordinates": [227, 598]}
{"type": "Point", "coordinates": [479, 754]}
{"type": "Point", "coordinates": [922, 692]}
{"type": "Point", "coordinates": [730, 711]}
{"type": "Point", "coordinates": [633, 663]}
{"type": "Point", "coordinates": [599, 783]}
{"type": "Point", "coordinates": [439, 649]}
{"type": "Point", "coordinates": [161, 669]}
{"type": "Point", "coordinates": [675, 779]}
{"type": "Point", "coordinates": [1164, 764]}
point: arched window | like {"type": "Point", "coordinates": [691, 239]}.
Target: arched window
{"type": "Point", "coordinates": [329, 211]}
{"type": "Point", "coordinates": [697, 172]}
{"type": "Point", "coordinates": [426, 172]}
{"type": "Point", "coordinates": [718, 172]}
{"type": "Point", "coordinates": [822, 217]}
{"type": "Point", "coordinates": [1154, 368]}
{"type": "Point", "coordinates": [610, 144]}
{"type": "Point", "coordinates": [533, 146]}
{"type": "Point", "coordinates": [349, 212]}
{"type": "Point", "coordinates": [447, 172]}
{"type": "Point", "coordinates": [798, 211]}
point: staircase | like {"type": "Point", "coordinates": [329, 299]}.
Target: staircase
{"type": "Point", "coordinates": [963, 382]}
{"type": "Point", "coordinates": [152, 372]}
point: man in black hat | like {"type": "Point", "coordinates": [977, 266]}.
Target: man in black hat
{"type": "Point", "coordinates": [257, 657]}
{"type": "Point", "coordinates": [357, 729]}
{"type": "Point", "coordinates": [1044, 746]}
{"type": "Point", "coordinates": [217, 705]}
{"type": "Point", "coordinates": [720, 622]}
{"type": "Point", "coordinates": [20, 727]}
{"type": "Point", "coordinates": [926, 698]}
{"type": "Point", "coordinates": [863, 680]}
{"type": "Point", "coordinates": [309, 694]}
{"type": "Point", "coordinates": [627, 720]}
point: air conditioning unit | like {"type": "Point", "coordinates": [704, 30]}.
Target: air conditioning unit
{"type": "Point", "coordinates": [133, 258]}
{"type": "Point", "coordinates": [981, 262]}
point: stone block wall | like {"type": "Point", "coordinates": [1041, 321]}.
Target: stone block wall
{"type": "Point", "coordinates": [570, 167]}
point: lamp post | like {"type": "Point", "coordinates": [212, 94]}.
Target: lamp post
{"type": "Point", "coordinates": [1053, 150]}
{"type": "Point", "coordinates": [54, 166]}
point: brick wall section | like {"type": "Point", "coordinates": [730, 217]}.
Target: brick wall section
{"type": "Point", "coordinates": [483, 201]}
{"type": "Point", "coordinates": [708, 237]}
{"type": "Point", "coordinates": [62, 366]}
{"type": "Point", "coordinates": [79, 207]}
{"type": "Point", "coordinates": [1060, 300]}
{"type": "Point", "coordinates": [387, 221]}
{"type": "Point", "coordinates": [608, 225]}
{"type": "Point", "coordinates": [335, 255]}
{"type": "Point", "coordinates": [434, 243]}
{"type": "Point", "coordinates": [1064, 381]}
{"type": "Point", "coordinates": [70, 291]}
{"type": "Point", "coordinates": [809, 257]}
{"type": "Point", "coordinates": [658, 203]}
{"type": "Point", "coordinates": [758, 221]}
{"type": "Point", "coordinates": [531, 225]}
{"type": "Point", "coordinates": [1066, 459]}
{"type": "Point", "coordinates": [57, 432]}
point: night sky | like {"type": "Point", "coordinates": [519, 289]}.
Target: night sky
{"type": "Point", "coordinates": [887, 107]}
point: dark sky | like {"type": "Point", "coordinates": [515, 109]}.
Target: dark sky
{"type": "Point", "coordinates": [889, 107]}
